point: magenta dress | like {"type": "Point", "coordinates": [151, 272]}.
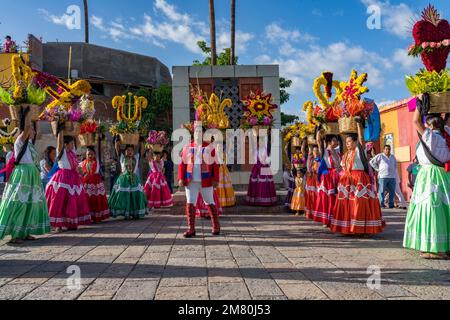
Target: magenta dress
{"type": "Point", "coordinates": [261, 189]}
{"type": "Point", "coordinates": [201, 209]}
{"type": "Point", "coordinates": [66, 198]}
{"type": "Point", "coordinates": [156, 188]}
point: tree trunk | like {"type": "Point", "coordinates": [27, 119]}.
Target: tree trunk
{"type": "Point", "coordinates": [233, 32]}
{"type": "Point", "coordinates": [212, 21]}
{"type": "Point", "coordinates": [86, 22]}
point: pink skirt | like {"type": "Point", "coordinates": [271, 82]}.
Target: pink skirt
{"type": "Point", "coordinates": [157, 191]}
{"type": "Point", "coordinates": [261, 190]}
{"type": "Point", "coordinates": [201, 209]}
{"type": "Point", "coordinates": [67, 201]}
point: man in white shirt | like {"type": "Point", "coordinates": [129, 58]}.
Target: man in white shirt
{"type": "Point", "coordinates": [386, 165]}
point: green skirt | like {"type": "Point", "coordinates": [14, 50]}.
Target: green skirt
{"type": "Point", "coordinates": [428, 221]}
{"type": "Point", "coordinates": [127, 198]}
{"type": "Point", "coordinates": [23, 208]}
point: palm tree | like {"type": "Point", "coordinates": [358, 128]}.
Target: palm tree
{"type": "Point", "coordinates": [86, 22]}
{"type": "Point", "coordinates": [212, 21]}
{"type": "Point", "coordinates": [233, 32]}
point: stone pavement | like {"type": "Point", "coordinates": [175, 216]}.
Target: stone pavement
{"type": "Point", "coordinates": [257, 257]}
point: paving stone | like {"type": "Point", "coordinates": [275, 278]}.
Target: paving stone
{"type": "Point", "coordinates": [302, 290]}
{"type": "Point", "coordinates": [228, 291]}
{"type": "Point", "coordinates": [48, 292]}
{"type": "Point", "coordinates": [137, 290]}
{"type": "Point", "coordinates": [182, 293]}
{"type": "Point", "coordinates": [16, 291]}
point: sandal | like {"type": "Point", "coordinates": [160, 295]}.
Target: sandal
{"type": "Point", "coordinates": [434, 256]}
{"type": "Point", "coordinates": [30, 238]}
{"type": "Point", "coordinates": [16, 241]}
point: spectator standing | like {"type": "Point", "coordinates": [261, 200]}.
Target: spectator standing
{"type": "Point", "coordinates": [386, 165]}
{"type": "Point", "coordinates": [9, 46]}
{"type": "Point", "coordinates": [413, 171]}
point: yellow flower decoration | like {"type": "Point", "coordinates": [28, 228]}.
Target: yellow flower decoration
{"type": "Point", "coordinates": [213, 113]}
{"type": "Point", "coordinates": [326, 81]}
{"type": "Point", "coordinates": [21, 73]}
{"type": "Point", "coordinates": [132, 114]}
{"type": "Point", "coordinates": [71, 92]}
{"type": "Point", "coordinates": [353, 89]}
{"type": "Point", "coordinates": [259, 105]}
{"type": "Point", "coordinates": [308, 107]}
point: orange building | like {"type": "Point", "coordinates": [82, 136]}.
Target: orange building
{"type": "Point", "coordinates": [397, 130]}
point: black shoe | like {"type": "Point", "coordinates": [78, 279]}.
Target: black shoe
{"type": "Point", "coordinates": [215, 233]}
{"type": "Point", "coordinates": [189, 235]}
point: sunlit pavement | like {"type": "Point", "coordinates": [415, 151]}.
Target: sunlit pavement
{"type": "Point", "coordinates": [257, 257]}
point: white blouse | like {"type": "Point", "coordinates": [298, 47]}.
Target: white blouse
{"type": "Point", "coordinates": [64, 162]}
{"type": "Point", "coordinates": [27, 157]}
{"type": "Point", "coordinates": [437, 145]}
{"type": "Point", "coordinates": [123, 166]}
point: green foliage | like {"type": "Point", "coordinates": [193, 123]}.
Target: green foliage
{"type": "Point", "coordinates": [223, 58]}
{"type": "Point", "coordinates": [6, 98]}
{"type": "Point", "coordinates": [426, 81]}
{"type": "Point", "coordinates": [36, 95]}
{"type": "Point", "coordinates": [284, 95]}
{"type": "Point", "coordinates": [287, 119]}
{"type": "Point", "coordinates": [32, 95]}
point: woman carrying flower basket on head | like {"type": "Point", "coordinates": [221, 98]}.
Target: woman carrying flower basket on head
{"type": "Point", "coordinates": [128, 198]}
{"type": "Point", "coordinates": [23, 208]}
{"type": "Point", "coordinates": [94, 187]}
{"type": "Point", "coordinates": [328, 179]}
{"type": "Point", "coordinates": [428, 221]}
{"type": "Point", "coordinates": [66, 197]}
{"type": "Point", "coordinates": [312, 180]}
{"type": "Point", "coordinates": [357, 209]}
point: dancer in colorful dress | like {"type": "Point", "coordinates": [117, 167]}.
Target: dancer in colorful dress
{"type": "Point", "coordinates": [198, 172]}
{"type": "Point", "coordinates": [225, 189]}
{"type": "Point", "coordinates": [94, 187]}
{"type": "Point", "coordinates": [298, 200]}
{"type": "Point", "coordinates": [261, 190]}
{"type": "Point", "coordinates": [156, 188]}
{"type": "Point", "coordinates": [47, 164]}
{"type": "Point", "coordinates": [66, 198]}
{"type": "Point", "coordinates": [128, 198]}
{"type": "Point", "coordinates": [23, 208]}
{"type": "Point", "coordinates": [357, 210]}
{"type": "Point", "coordinates": [312, 180]}
{"type": "Point", "coordinates": [329, 179]}
{"type": "Point", "coordinates": [428, 221]}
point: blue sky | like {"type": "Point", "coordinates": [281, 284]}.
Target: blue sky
{"type": "Point", "coordinates": [304, 37]}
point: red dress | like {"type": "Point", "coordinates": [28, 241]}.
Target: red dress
{"type": "Point", "coordinates": [156, 188]}
{"type": "Point", "coordinates": [357, 209]}
{"type": "Point", "coordinates": [327, 189]}
{"type": "Point", "coordinates": [95, 190]}
{"type": "Point", "coordinates": [311, 187]}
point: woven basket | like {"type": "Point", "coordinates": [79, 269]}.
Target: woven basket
{"type": "Point", "coordinates": [129, 139]}
{"type": "Point", "coordinates": [348, 125]}
{"type": "Point", "coordinates": [440, 102]}
{"type": "Point", "coordinates": [312, 140]}
{"type": "Point", "coordinates": [88, 139]}
{"type": "Point", "coordinates": [33, 114]}
{"type": "Point", "coordinates": [331, 128]}
{"type": "Point", "coordinates": [296, 142]}
{"type": "Point", "coordinates": [70, 128]}
{"type": "Point", "coordinates": [157, 147]}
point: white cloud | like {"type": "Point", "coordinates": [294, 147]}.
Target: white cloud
{"type": "Point", "coordinates": [407, 62]}
{"type": "Point", "coordinates": [276, 33]}
{"type": "Point", "coordinates": [395, 18]}
{"type": "Point", "coordinates": [115, 30]}
{"type": "Point", "coordinates": [242, 40]}
{"type": "Point", "coordinates": [63, 20]}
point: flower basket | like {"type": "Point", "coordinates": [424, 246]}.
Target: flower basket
{"type": "Point", "coordinates": [348, 125]}
{"type": "Point", "coordinates": [440, 102]}
{"type": "Point", "coordinates": [88, 139]}
{"type": "Point", "coordinates": [129, 138]}
{"type": "Point", "coordinates": [70, 128]}
{"type": "Point", "coordinates": [296, 142]}
{"type": "Point", "coordinates": [331, 128]}
{"type": "Point", "coordinates": [157, 147]}
{"type": "Point", "coordinates": [312, 140]}
{"type": "Point", "coordinates": [299, 166]}
{"type": "Point", "coordinates": [33, 114]}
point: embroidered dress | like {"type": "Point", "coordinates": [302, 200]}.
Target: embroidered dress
{"type": "Point", "coordinates": [127, 198]}
{"type": "Point", "coordinates": [23, 208]}
{"type": "Point", "coordinates": [225, 188]}
{"type": "Point", "coordinates": [327, 189]}
{"type": "Point", "coordinates": [156, 188]}
{"type": "Point", "coordinates": [261, 190]}
{"type": "Point", "coordinates": [357, 209]}
{"type": "Point", "coordinates": [311, 186]}
{"type": "Point", "coordinates": [201, 209]}
{"type": "Point", "coordinates": [95, 190]}
{"type": "Point", "coordinates": [298, 199]}
{"type": "Point", "coordinates": [66, 198]}
{"type": "Point", "coordinates": [428, 221]}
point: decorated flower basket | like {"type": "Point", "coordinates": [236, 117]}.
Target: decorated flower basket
{"type": "Point", "coordinates": [70, 128]}
{"type": "Point", "coordinates": [88, 139]}
{"type": "Point", "coordinates": [157, 147]}
{"type": "Point", "coordinates": [312, 140]}
{"type": "Point", "coordinates": [348, 125]}
{"type": "Point", "coordinates": [33, 114]}
{"type": "Point", "coordinates": [440, 102]}
{"type": "Point", "coordinates": [331, 128]}
{"type": "Point", "coordinates": [296, 142]}
{"type": "Point", "coordinates": [129, 138]}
